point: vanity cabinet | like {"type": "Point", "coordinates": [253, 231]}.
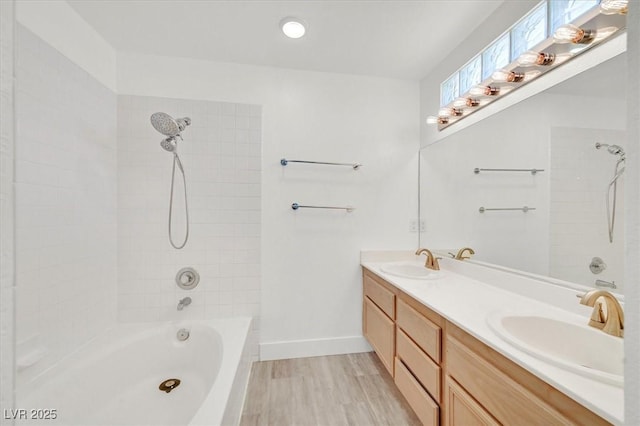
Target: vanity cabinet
{"type": "Point", "coordinates": [448, 376]}
{"type": "Point", "coordinates": [505, 391]}
{"type": "Point", "coordinates": [462, 409]}
{"type": "Point", "coordinates": [378, 318]}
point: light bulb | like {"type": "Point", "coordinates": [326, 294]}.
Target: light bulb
{"type": "Point", "coordinates": [613, 7]}
{"type": "Point", "coordinates": [571, 34]}
{"type": "Point", "coordinates": [531, 58]}
{"type": "Point", "coordinates": [449, 112]}
{"type": "Point", "coordinates": [465, 102]}
{"type": "Point", "coordinates": [293, 27]}
{"type": "Point", "coordinates": [432, 119]}
{"type": "Point", "coordinates": [484, 91]}
{"type": "Point", "coordinates": [505, 76]}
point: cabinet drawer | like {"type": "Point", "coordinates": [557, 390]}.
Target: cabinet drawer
{"type": "Point", "coordinates": [507, 401]}
{"type": "Point", "coordinates": [425, 408]}
{"type": "Point", "coordinates": [462, 409]}
{"type": "Point", "coordinates": [380, 332]}
{"type": "Point", "coordinates": [423, 368]}
{"type": "Point", "coordinates": [422, 331]}
{"type": "Point", "coordinates": [380, 296]}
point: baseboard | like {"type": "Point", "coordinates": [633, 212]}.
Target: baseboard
{"type": "Point", "coordinates": [313, 347]}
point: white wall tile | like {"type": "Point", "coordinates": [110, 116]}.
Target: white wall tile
{"type": "Point", "coordinates": [65, 204]}
{"type": "Point", "coordinates": [578, 219]}
{"type": "Point", "coordinates": [224, 211]}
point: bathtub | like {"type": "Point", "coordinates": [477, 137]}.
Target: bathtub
{"type": "Point", "coordinates": [115, 379]}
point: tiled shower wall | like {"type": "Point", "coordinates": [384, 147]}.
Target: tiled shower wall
{"type": "Point", "coordinates": [578, 231]}
{"type": "Point", "coordinates": [221, 154]}
{"type": "Point", "coordinates": [66, 256]}
{"type": "Point", "coordinates": [7, 248]}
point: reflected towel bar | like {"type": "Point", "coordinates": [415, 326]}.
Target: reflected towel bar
{"type": "Point", "coordinates": [522, 209]}
{"type": "Point", "coordinates": [532, 171]}
{"type": "Point", "coordinates": [603, 283]}
{"type": "Point", "coordinates": [296, 206]}
{"type": "Point", "coordinates": [354, 166]}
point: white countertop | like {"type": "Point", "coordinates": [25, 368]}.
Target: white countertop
{"type": "Point", "coordinates": [466, 302]}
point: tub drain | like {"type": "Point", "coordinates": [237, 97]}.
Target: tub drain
{"type": "Point", "coordinates": [169, 385]}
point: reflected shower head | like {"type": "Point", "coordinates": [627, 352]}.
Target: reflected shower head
{"type": "Point", "coordinates": [613, 149]}
{"type": "Point", "coordinates": [167, 125]}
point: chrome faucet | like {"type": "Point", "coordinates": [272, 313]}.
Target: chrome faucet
{"type": "Point", "coordinates": [184, 302]}
{"type": "Point", "coordinates": [432, 261]}
{"type": "Point", "coordinates": [613, 321]}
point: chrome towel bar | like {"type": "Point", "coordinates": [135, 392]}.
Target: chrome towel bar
{"type": "Point", "coordinates": [296, 206]}
{"type": "Point", "coordinates": [522, 209]}
{"type": "Point", "coordinates": [354, 166]}
{"type": "Point", "coordinates": [532, 171]}
{"type": "Point", "coordinates": [603, 283]}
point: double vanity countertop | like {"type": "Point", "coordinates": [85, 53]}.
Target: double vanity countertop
{"type": "Point", "coordinates": [468, 302]}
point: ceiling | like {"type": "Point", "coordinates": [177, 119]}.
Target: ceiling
{"type": "Point", "coordinates": [393, 38]}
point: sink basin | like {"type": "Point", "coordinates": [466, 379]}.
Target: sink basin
{"type": "Point", "coordinates": [577, 347]}
{"type": "Point", "coordinates": [415, 270]}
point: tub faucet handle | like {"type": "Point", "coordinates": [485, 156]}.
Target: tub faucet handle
{"type": "Point", "coordinates": [184, 302]}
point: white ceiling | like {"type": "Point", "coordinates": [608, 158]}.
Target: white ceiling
{"type": "Point", "coordinates": [393, 38]}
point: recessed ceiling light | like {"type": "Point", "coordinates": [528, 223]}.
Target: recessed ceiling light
{"type": "Point", "coordinates": [293, 27]}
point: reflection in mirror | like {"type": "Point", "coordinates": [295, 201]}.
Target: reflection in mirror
{"type": "Point", "coordinates": [555, 221]}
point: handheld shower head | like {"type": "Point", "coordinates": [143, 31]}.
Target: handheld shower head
{"type": "Point", "coordinates": [169, 144]}
{"type": "Point", "coordinates": [167, 125]}
{"type": "Point", "coordinates": [613, 149]}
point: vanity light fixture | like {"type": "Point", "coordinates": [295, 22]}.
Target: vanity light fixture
{"type": "Point", "coordinates": [612, 7]}
{"type": "Point", "coordinates": [465, 102]}
{"type": "Point", "coordinates": [569, 33]}
{"type": "Point", "coordinates": [484, 91]}
{"type": "Point", "coordinates": [293, 27]}
{"type": "Point", "coordinates": [522, 53]}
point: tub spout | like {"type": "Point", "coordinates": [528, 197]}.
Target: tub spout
{"type": "Point", "coordinates": [184, 302]}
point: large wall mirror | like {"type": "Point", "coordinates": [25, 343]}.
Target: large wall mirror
{"type": "Point", "coordinates": [555, 222]}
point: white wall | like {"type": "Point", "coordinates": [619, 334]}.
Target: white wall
{"type": "Point", "coordinates": [61, 26]}
{"type": "Point", "coordinates": [311, 287]}
{"type": "Point", "coordinates": [7, 230]}
{"type": "Point", "coordinates": [65, 188]}
{"type": "Point", "coordinates": [221, 157]}
{"type": "Point", "coordinates": [632, 223]}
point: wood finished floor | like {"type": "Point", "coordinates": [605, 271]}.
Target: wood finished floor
{"type": "Point", "coordinates": [353, 389]}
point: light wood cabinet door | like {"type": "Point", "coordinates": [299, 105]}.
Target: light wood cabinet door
{"type": "Point", "coordinates": [507, 400]}
{"type": "Point", "coordinates": [425, 408]}
{"type": "Point", "coordinates": [421, 366]}
{"type": "Point", "coordinates": [462, 409]}
{"type": "Point", "coordinates": [379, 295]}
{"type": "Point", "coordinates": [380, 332]}
{"type": "Point", "coordinates": [425, 333]}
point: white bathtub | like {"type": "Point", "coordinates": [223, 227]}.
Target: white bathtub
{"type": "Point", "coordinates": [114, 379]}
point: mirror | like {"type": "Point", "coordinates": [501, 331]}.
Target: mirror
{"type": "Point", "coordinates": [552, 222]}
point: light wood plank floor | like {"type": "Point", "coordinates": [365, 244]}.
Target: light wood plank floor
{"type": "Point", "coordinates": [353, 389]}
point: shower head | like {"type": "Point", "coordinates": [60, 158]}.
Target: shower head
{"type": "Point", "coordinates": [169, 144]}
{"type": "Point", "coordinates": [613, 149]}
{"type": "Point", "coordinates": [168, 125]}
